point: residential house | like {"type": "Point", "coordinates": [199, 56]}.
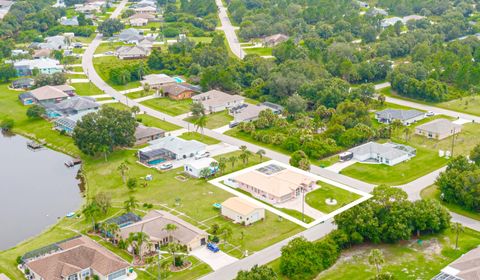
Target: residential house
{"type": "Point", "coordinates": [131, 36]}
{"type": "Point", "coordinates": [124, 219]}
{"type": "Point", "coordinates": [362, 4]}
{"type": "Point", "coordinates": [58, 42]}
{"type": "Point", "coordinates": [157, 81]}
{"type": "Point", "coordinates": [242, 211]}
{"type": "Point", "coordinates": [69, 21]}
{"type": "Point", "coordinates": [377, 12]}
{"type": "Point", "coordinates": [146, 42]}
{"type": "Point", "coordinates": [138, 21]}
{"type": "Point", "coordinates": [26, 67]}
{"type": "Point", "coordinates": [78, 258]}
{"type": "Point", "coordinates": [51, 94]}
{"type": "Point", "coordinates": [217, 101]}
{"type": "Point", "coordinates": [466, 267]}
{"type": "Point", "coordinates": [145, 10]}
{"type": "Point", "coordinates": [87, 9]}
{"type": "Point", "coordinates": [273, 183]}
{"type": "Point", "coordinates": [145, 134]}
{"type": "Point", "coordinates": [273, 40]}
{"type": "Point", "coordinates": [247, 112]}
{"type": "Point", "coordinates": [154, 224]}
{"type": "Point", "coordinates": [276, 109]}
{"type": "Point", "coordinates": [23, 83]}
{"type": "Point", "coordinates": [18, 52]}
{"type": "Point", "coordinates": [391, 21]}
{"type": "Point", "coordinates": [387, 153]}
{"type": "Point", "coordinates": [406, 117]}
{"type": "Point", "coordinates": [170, 148]}
{"type": "Point", "coordinates": [41, 53]}
{"type": "Point", "coordinates": [148, 17]}
{"type": "Point", "coordinates": [177, 91]}
{"type": "Point", "coordinates": [194, 167]}
{"type": "Point", "coordinates": [72, 106]}
{"type": "Point", "coordinates": [68, 123]}
{"type": "Point", "coordinates": [438, 129]}
{"type": "Point", "coordinates": [26, 98]}
{"type": "Point", "coordinates": [132, 52]}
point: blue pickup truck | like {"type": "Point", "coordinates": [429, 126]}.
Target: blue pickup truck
{"type": "Point", "coordinates": [213, 247]}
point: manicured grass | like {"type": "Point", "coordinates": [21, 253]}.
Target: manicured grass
{"type": "Point", "coordinates": [251, 101]}
{"type": "Point", "coordinates": [76, 76]}
{"type": "Point", "coordinates": [215, 120]}
{"type": "Point", "coordinates": [137, 94]}
{"type": "Point", "coordinates": [169, 106]}
{"type": "Point", "coordinates": [86, 89]}
{"type": "Point", "coordinates": [77, 68]}
{"type": "Point", "coordinates": [433, 192]}
{"type": "Point", "coordinates": [469, 105]}
{"type": "Point", "coordinates": [197, 270]}
{"type": "Point", "coordinates": [199, 137]}
{"type": "Point", "coordinates": [103, 98]}
{"type": "Point", "coordinates": [206, 40]}
{"type": "Point", "coordinates": [109, 46]}
{"type": "Point", "coordinates": [259, 51]}
{"type": "Point", "coordinates": [424, 162]}
{"type": "Point", "coordinates": [118, 106]}
{"type": "Point", "coordinates": [316, 198]}
{"type": "Point", "coordinates": [253, 160]}
{"type": "Point", "coordinates": [406, 260]}
{"type": "Point", "coordinates": [104, 64]}
{"type": "Point", "coordinates": [152, 121]}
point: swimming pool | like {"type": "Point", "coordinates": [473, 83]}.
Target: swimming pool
{"type": "Point", "coordinates": [156, 161]}
{"type": "Point", "coordinates": [179, 80]}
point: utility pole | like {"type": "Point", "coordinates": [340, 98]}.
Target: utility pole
{"type": "Point", "coordinates": [303, 204]}
{"type": "Point", "coordinates": [453, 143]}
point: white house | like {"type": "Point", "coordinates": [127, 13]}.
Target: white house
{"type": "Point", "coordinates": [170, 148]}
{"type": "Point", "coordinates": [217, 101]}
{"type": "Point", "coordinates": [242, 211]}
{"type": "Point", "coordinates": [195, 167]}
{"type": "Point", "coordinates": [387, 153]}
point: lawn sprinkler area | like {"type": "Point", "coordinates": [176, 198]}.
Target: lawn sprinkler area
{"type": "Point", "coordinates": [322, 202]}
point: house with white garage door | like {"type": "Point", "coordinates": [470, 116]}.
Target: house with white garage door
{"type": "Point", "coordinates": [242, 211]}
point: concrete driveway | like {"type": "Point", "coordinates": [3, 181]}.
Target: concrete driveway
{"type": "Point", "coordinates": [214, 260]}
{"type": "Point", "coordinates": [339, 166]}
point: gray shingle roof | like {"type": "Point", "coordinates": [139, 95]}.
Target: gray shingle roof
{"type": "Point", "coordinates": [402, 115]}
{"type": "Point", "coordinates": [439, 126]}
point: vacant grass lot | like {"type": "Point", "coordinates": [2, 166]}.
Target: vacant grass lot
{"type": "Point", "coordinates": [110, 46]}
{"type": "Point", "coordinates": [433, 192]}
{"type": "Point", "coordinates": [406, 260]}
{"type": "Point", "coordinates": [86, 89]}
{"type": "Point", "coordinates": [169, 106]}
{"type": "Point", "coordinates": [199, 137]}
{"type": "Point", "coordinates": [259, 51]}
{"type": "Point", "coordinates": [152, 121]}
{"type": "Point", "coordinates": [104, 64]}
{"type": "Point", "coordinates": [469, 105]}
{"type": "Point", "coordinates": [137, 94]}
{"type": "Point", "coordinates": [316, 198]}
{"type": "Point", "coordinates": [215, 120]}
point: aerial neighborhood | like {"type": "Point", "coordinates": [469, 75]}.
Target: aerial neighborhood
{"type": "Point", "coordinates": [242, 140]}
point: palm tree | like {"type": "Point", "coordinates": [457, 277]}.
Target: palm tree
{"type": "Point", "coordinates": [142, 238]}
{"type": "Point", "coordinates": [132, 242]}
{"type": "Point", "coordinates": [123, 169]}
{"type": "Point", "coordinates": [243, 148]}
{"type": "Point", "coordinates": [222, 164]}
{"type": "Point", "coordinates": [170, 228]}
{"type": "Point", "coordinates": [376, 258]}
{"type": "Point", "coordinates": [227, 232]}
{"type": "Point", "coordinates": [113, 229]}
{"type": "Point", "coordinates": [135, 110]}
{"type": "Point", "coordinates": [146, 89]}
{"type": "Point", "coordinates": [232, 160]}
{"type": "Point", "coordinates": [457, 228]}
{"type": "Point", "coordinates": [130, 204]}
{"type": "Point", "coordinates": [200, 123]}
{"type": "Point", "coordinates": [261, 153]}
{"type": "Point", "coordinates": [197, 109]}
{"type": "Point", "coordinates": [173, 248]}
{"type": "Point", "coordinates": [407, 131]}
{"type": "Point", "coordinates": [91, 211]}
{"type": "Point", "coordinates": [205, 173]}
{"type": "Point", "coordinates": [214, 165]}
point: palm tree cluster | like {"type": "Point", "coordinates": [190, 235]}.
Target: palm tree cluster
{"type": "Point", "coordinates": [199, 116]}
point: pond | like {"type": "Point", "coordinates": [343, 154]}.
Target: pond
{"type": "Point", "coordinates": [36, 189]}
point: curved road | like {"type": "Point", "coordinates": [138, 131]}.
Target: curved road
{"type": "Point", "coordinates": [273, 252]}
{"type": "Point", "coordinates": [229, 30]}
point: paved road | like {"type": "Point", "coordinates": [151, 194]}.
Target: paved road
{"type": "Point", "coordinates": [268, 254]}
{"type": "Point", "coordinates": [229, 30]}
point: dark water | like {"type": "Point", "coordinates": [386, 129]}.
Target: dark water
{"type": "Point", "coordinates": [35, 189]}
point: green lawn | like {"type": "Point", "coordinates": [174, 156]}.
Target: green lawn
{"type": "Point", "coordinates": [259, 51]}
{"type": "Point", "coordinates": [316, 198]}
{"type": "Point", "coordinates": [104, 64]}
{"type": "Point", "coordinates": [199, 137]}
{"type": "Point", "coordinates": [215, 120]}
{"type": "Point", "coordinates": [109, 46]}
{"type": "Point", "coordinates": [169, 106]}
{"type": "Point", "coordinates": [469, 105]}
{"type": "Point", "coordinates": [197, 270]}
{"type": "Point", "coordinates": [118, 106]}
{"type": "Point", "coordinates": [433, 192]}
{"type": "Point", "coordinates": [86, 89]}
{"type": "Point", "coordinates": [152, 121]}
{"type": "Point", "coordinates": [136, 94]}
{"type": "Point", "coordinates": [76, 76]}
{"type": "Point", "coordinates": [406, 260]}
{"type": "Point", "coordinates": [424, 162]}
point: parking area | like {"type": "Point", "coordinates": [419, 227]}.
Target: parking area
{"type": "Point", "coordinates": [214, 260]}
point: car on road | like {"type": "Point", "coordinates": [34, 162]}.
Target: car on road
{"type": "Point", "coordinates": [233, 124]}
{"type": "Point", "coordinates": [202, 155]}
{"type": "Point", "coordinates": [430, 114]}
{"type": "Point", "coordinates": [166, 166]}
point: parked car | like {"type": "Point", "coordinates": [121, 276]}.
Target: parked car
{"type": "Point", "coordinates": [430, 114]}
{"type": "Point", "coordinates": [166, 166]}
{"type": "Point", "coordinates": [213, 247]}
{"type": "Point", "coordinates": [109, 53]}
{"type": "Point", "coordinates": [202, 155]}
{"type": "Point", "coordinates": [233, 124]}
{"type": "Point", "coordinates": [77, 45]}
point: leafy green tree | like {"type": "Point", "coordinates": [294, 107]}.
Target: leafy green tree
{"type": "Point", "coordinates": [91, 211]}
{"type": "Point", "coordinates": [104, 201]}
{"type": "Point", "coordinates": [475, 155]}
{"type": "Point", "coordinates": [7, 124]}
{"type": "Point", "coordinates": [110, 26]}
{"type": "Point", "coordinates": [376, 259]}
{"type": "Point", "coordinates": [132, 184]}
{"type": "Point", "coordinates": [35, 111]}
{"type": "Point", "coordinates": [123, 169]}
{"type": "Point", "coordinates": [300, 159]}
{"type": "Point", "coordinates": [257, 273]}
{"type": "Point", "coordinates": [7, 72]}
{"type": "Point", "coordinates": [295, 104]}
{"type": "Point", "coordinates": [130, 204]}
{"type": "Point", "coordinates": [108, 127]}
{"type": "Point", "coordinates": [261, 153]}
{"type": "Point", "coordinates": [457, 228]}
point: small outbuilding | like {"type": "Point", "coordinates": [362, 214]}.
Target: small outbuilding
{"type": "Point", "coordinates": [242, 211]}
{"type": "Point", "coordinates": [194, 168]}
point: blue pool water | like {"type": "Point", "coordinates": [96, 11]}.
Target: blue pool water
{"type": "Point", "coordinates": [157, 161]}
{"type": "Point", "coordinates": [179, 80]}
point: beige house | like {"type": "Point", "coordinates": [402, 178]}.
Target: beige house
{"type": "Point", "coordinates": [467, 267]}
{"type": "Point", "coordinates": [242, 211]}
{"type": "Point", "coordinates": [156, 81]}
{"type": "Point", "coordinates": [78, 258]}
{"type": "Point", "coordinates": [154, 224]}
{"type": "Point", "coordinates": [273, 183]}
{"type": "Point", "coordinates": [438, 129]}
{"type": "Point", "coordinates": [274, 40]}
{"type": "Point", "coordinates": [145, 134]}
{"type": "Point", "coordinates": [138, 21]}
{"type": "Point", "coordinates": [217, 101]}
{"type": "Point", "coordinates": [132, 52]}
